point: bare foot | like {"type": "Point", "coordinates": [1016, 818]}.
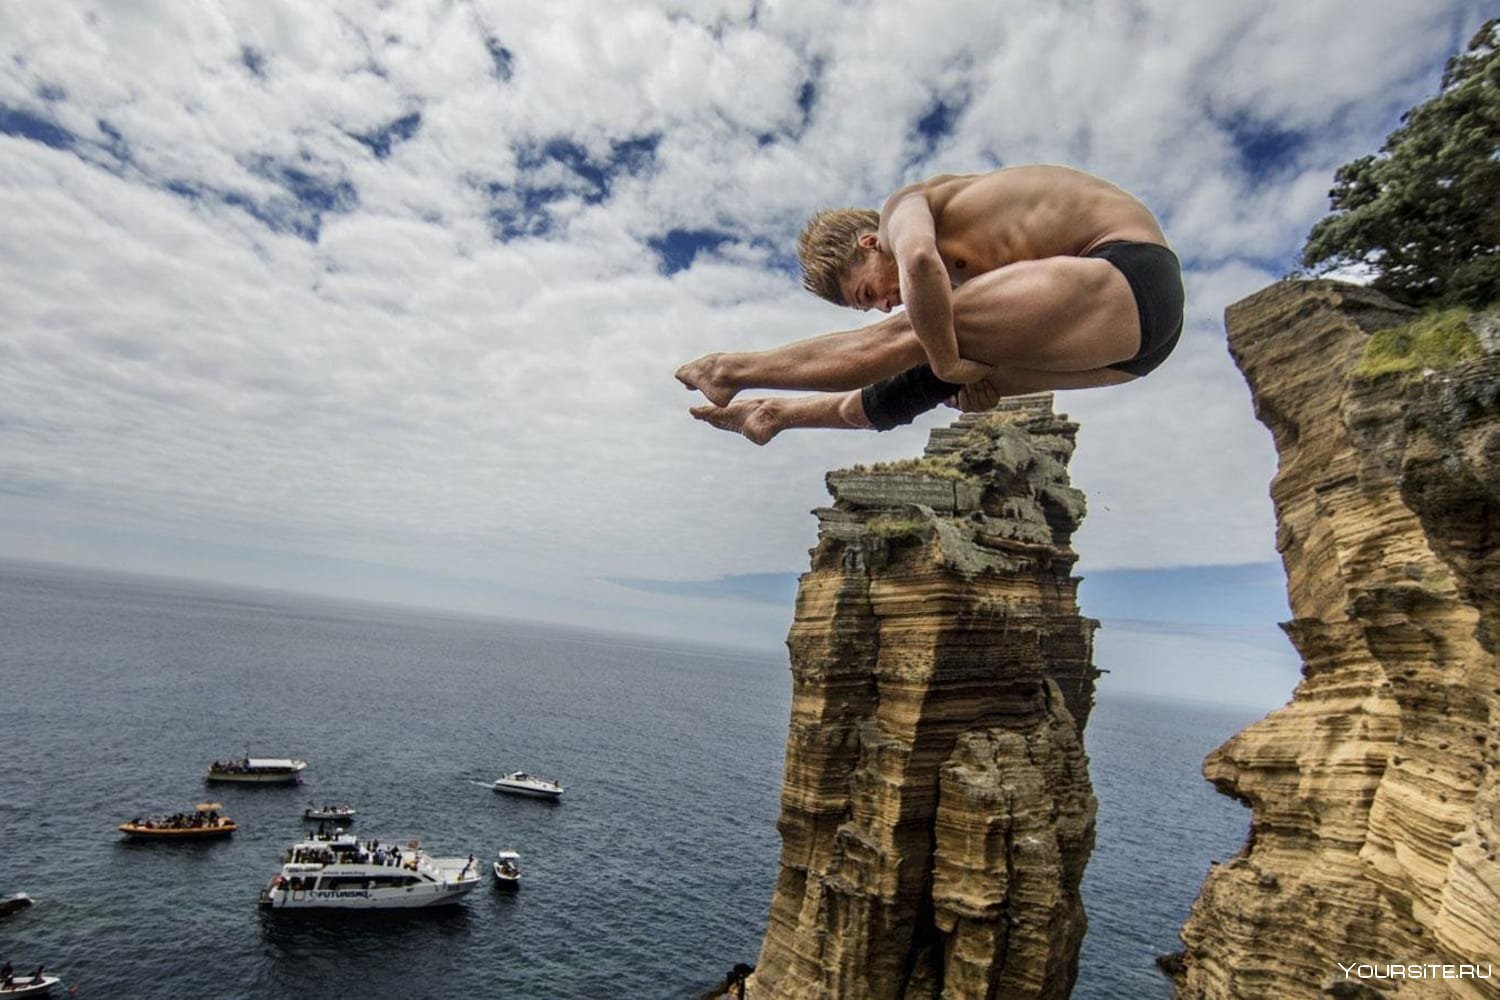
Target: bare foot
{"type": "Point", "coordinates": [757, 419]}
{"type": "Point", "coordinates": [709, 375]}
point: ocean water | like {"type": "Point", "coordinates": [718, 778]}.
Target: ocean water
{"type": "Point", "coordinates": [649, 880]}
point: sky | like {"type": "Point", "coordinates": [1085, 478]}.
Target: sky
{"type": "Point", "coordinates": [383, 300]}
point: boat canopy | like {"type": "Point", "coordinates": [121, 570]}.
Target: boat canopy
{"type": "Point", "coordinates": [278, 763]}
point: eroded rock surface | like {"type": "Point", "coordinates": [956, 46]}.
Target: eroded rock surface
{"type": "Point", "coordinates": [1374, 792]}
{"type": "Point", "coordinates": [936, 809]}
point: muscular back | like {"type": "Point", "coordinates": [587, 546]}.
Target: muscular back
{"type": "Point", "coordinates": [985, 221]}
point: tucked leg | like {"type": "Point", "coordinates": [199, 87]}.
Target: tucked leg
{"type": "Point", "coordinates": [1059, 314]}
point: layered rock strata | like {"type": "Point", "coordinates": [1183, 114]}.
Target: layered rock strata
{"type": "Point", "coordinates": [936, 811]}
{"type": "Point", "coordinates": [1370, 869]}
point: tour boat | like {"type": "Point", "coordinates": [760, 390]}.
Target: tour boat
{"type": "Point", "coordinates": [258, 770]}
{"type": "Point", "coordinates": [29, 986]}
{"type": "Point", "coordinates": [340, 873]}
{"type": "Point", "coordinates": [330, 813]}
{"type": "Point", "coordinates": [521, 783]}
{"type": "Point", "coordinates": [203, 823]}
{"type": "Point", "coordinates": [507, 870]}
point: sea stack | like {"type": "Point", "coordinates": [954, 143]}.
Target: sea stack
{"type": "Point", "coordinates": [936, 811]}
{"type": "Point", "coordinates": [1370, 869]}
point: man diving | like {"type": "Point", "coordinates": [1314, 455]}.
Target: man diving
{"type": "Point", "coordinates": [1019, 280]}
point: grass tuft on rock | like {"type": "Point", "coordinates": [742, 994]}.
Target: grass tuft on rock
{"type": "Point", "coordinates": [1434, 341]}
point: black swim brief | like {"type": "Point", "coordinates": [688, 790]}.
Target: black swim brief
{"type": "Point", "coordinates": [1155, 278]}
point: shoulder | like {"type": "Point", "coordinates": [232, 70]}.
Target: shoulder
{"type": "Point", "coordinates": [934, 189]}
{"type": "Point", "coordinates": [919, 190]}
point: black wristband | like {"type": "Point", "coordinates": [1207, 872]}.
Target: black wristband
{"type": "Point", "coordinates": [902, 398]}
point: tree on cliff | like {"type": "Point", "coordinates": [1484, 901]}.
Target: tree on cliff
{"type": "Point", "coordinates": [1424, 214]}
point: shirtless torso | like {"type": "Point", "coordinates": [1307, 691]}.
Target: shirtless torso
{"type": "Point", "coordinates": [987, 221]}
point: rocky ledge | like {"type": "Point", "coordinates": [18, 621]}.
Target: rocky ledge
{"type": "Point", "coordinates": [936, 812]}
{"type": "Point", "coordinates": [1370, 869]}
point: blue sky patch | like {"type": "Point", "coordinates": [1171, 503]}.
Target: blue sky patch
{"type": "Point", "coordinates": [679, 247]}
{"type": "Point", "coordinates": [523, 209]}
{"type": "Point", "coordinates": [937, 123]}
{"type": "Point", "coordinates": [627, 156]}
{"type": "Point", "coordinates": [382, 140]}
{"type": "Point", "coordinates": [1264, 149]}
{"type": "Point", "coordinates": [520, 212]}
{"type": "Point", "coordinates": [254, 61]}
{"type": "Point", "coordinates": [504, 59]}
{"type": "Point", "coordinates": [308, 198]}
{"type": "Point", "coordinates": [114, 143]}
{"type": "Point", "coordinates": [807, 96]}
{"type": "Point", "coordinates": [25, 125]}
{"type": "Point", "coordinates": [312, 192]}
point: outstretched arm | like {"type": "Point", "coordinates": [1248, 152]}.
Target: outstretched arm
{"type": "Point", "coordinates": [910, 232]}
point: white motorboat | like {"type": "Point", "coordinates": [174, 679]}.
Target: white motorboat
{"type": "Point", "coordinates": [258, 770]}
{"type": "Point", "coordinates": [329, 813]}
{"type": "Point", "coordinates": [341, 873]}
{"type": "Point", "coordinates": [29, 986]}
{"type": "Point", "coordinates": [521, 783]}
{"type": "Point", "coordinates": [507, 870]}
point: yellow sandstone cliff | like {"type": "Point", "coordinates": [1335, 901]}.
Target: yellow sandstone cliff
{"type": "Point", "coordinates": [1370, 870]}
{"type": "Point", "coordinates": [936, 811]}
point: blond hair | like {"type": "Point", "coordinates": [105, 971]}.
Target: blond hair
{"type": "Point", "coordinates": [827, 248]}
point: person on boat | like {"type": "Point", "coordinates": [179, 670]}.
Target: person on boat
{"type": "Point", "coordinates": [7, 974]}
{"type": "Point", "coordinates": [36, 977]}
{"type": "Point", "coordinates": [1015, 281]}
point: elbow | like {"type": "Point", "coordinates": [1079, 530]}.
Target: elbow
{"type": "Point", "coordinates": [923, 262]}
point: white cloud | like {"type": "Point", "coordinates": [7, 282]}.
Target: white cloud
{"type": "Point", "coordinates": [408, 390]}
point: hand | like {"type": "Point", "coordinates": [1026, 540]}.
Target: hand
{"type": "Point", "coordinates": [962, 372]}
{"type": "Point", "coordinates": [976, 397]}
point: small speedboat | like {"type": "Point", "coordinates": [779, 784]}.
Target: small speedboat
{"type": "Point", "coordinates": [330, 813]}
{"type": "Point", "coordinates": [507, 870]}
{"type": "Point", "coordinates": [203, 823]}
{"type": "Point", "coordinates": [521, 783]}
{"type": "Point", "coordinates": [29, 986]}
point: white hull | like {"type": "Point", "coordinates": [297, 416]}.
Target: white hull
{"type": "Point", "coordinates": [23, 989]}
{"type": "Point", "coordinates": [412, 898]}
{"type": "Point", "coordinates": [531, 793]}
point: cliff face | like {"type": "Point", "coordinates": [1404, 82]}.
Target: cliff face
{"type": "Point", "coordinates": [936, 811]}
{"type": "Point", "coordinates": [1375, 791]}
